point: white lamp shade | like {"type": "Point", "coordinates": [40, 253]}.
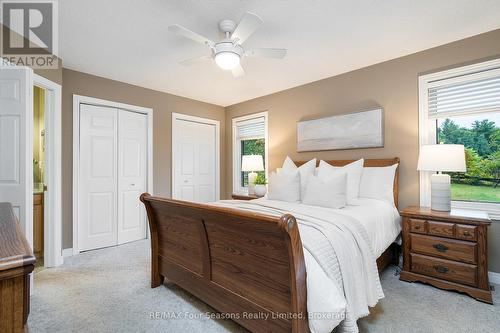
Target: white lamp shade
{"type": "Point", "coordinates": [445, 157]}
{"type": "Point", "coordinates": [252, 163]}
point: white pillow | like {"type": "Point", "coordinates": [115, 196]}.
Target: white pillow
{"type": "Point", "coordinates": [329, 193]}
{"type": "Point", "coordinates": [353, 170]}
{"type": "Point", "coordinates": [284, 186]}
{"type": "Point", "coordinates": [378, 183]}
{"type": "Point", "coordinates": [305, 170]}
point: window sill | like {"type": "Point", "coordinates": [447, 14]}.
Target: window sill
{"type": "Point", "coordinates": [493, 209]}
{"type": "Point", "coordinates": [241, 191]}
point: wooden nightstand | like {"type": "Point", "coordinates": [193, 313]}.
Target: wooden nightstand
{"type": "Point", "coordinates": [447, 250]}
{"type": "Point", "coordinates": [243, 196]}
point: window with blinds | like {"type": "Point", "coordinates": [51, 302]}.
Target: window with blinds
{"type": "Point", "coordinates": [249, 138]}
{"type": "Point", "coordinates": [463, 107]}
{"type": "Point", "coordinates": [474, 93]}
{"type": "Point", "coordinates": [251, 129]}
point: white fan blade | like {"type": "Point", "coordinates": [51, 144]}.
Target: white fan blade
{"type": "Point", "coordinates": [238, 71]}
{"type": "Point", "coordinates": [181, 31]}
{"type": "Point", "coordinates": [247, 26]}
{"type": "Point", "coordinates": [267, 53]}
{"type": "Point", "coordinates": [196, 60]}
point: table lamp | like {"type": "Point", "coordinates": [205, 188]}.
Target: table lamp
{"type": "Point", "coordinates": [252, 163]}
{"type": "Point", "coordinates": [443, 157]}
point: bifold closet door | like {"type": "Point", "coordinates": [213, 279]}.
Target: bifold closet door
{"type": "Point", "coordinates": [132, 166]}
{"type": "Point", "coordinates": [98, 186]}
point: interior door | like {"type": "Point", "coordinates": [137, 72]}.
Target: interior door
{"type": "Point", "coordinates": [16, 149]}
{"type": "Point", "coordinates": [132, 166]}
{"type": "Point", "coordinates": [97, 210]}
{"type": "Point", "coordinates": [194, 145]}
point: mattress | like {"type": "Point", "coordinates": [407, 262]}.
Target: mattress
{"type": "Point", "coordinates": [380, 218]}
{"type": "Point", "coordinates": [354, 234]}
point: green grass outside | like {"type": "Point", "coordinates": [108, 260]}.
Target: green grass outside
{"type": "Point", "coordinates": [475, 193]}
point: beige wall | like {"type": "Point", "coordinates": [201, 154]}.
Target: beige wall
{"type": "Point", "coordinates": [163, 105]}
{"type": "Point", "coordinates": [54, 75]}
{"type": "Point", "coordinates": [392, 85]}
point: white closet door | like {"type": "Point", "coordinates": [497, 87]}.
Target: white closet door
{"type": "Point", "coordinates": [132, 166]}
{"type": "Point", "coordinates": [98, 207]}
{"type": "Point", "coordinates": [16, 120]}
{"type": "Point", "coordinates": [194, 161]}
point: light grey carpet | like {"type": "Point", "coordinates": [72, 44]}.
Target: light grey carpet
{"type": "Point", "coordinates": [108, 291]}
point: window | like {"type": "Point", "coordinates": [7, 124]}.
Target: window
{"type": "Point", "coordinates": [462, 106]}
{"type": "Point", "coordinates": [249, 138]}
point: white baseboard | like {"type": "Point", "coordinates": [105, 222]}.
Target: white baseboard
{"type": "Point", "coordinates": [69, 253]}
{"type": "Point", "coordinates": [494, 277]}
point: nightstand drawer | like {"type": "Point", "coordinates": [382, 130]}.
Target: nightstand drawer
{"type": "Point", "coordinates": [444, 269]}
{"type": "Point", "coordinates": [417, 226]}
{"type": "Point", "coordinates": [440, 228]}
{"type": "Point", "coordinates": [444, 248]}
{"type": "Point", "coordinates": [467, 232]}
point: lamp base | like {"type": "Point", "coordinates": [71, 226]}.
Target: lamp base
{"type": "Point", "coordinates": [441, 192]}
{"type": "Point", "coordinates": [251, 183]}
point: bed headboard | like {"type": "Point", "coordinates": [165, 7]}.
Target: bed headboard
{"type": "Point", "coordinates": [382, 162]}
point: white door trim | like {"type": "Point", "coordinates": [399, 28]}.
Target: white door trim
{"type": "Point", "coordinates": [181, 116]}
{"type": "Point", "coordinates": [77, 100]}
{"type": "Point", "coordinates": [52, 198]}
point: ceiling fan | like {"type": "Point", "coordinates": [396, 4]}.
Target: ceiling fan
{"type": "Point", "coordinates": [228, 52]}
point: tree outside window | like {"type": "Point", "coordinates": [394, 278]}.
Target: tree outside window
{"type": "Point", "coordinates": [252, 147]}
{"type": "Point", "coordinates": [480, 134]}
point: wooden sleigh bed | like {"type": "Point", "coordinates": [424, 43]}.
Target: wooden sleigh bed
{"type": "Point", "coordinates": [241, 263]}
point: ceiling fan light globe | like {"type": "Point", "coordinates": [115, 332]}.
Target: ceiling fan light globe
{"type": "Point", "coordinates": [227, 60]}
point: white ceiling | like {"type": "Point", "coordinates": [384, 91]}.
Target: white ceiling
{"type": "Point", "coordinates": [128, 40]}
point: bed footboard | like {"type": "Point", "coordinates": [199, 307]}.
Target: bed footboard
{"type": "Point", "coordinates": [246, 265]}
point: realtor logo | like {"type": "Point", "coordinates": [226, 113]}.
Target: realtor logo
{"type": "Point", "coordinates": [29, 34]}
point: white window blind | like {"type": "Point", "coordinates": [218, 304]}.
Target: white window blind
{"type": "Point", "coordinates": [251, 129]}
{"type": "Point", "coordinates": [473, 93]}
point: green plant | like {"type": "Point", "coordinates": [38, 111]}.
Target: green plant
{"type": "Point", "coordinates": [260, 180]}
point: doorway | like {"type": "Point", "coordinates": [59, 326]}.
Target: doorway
{"type": "Point", "coordinates": [16, 154]}
{"type": "Point", "coordinates": [46, 186]}
{"type": "Point", "coordinates": [39, 186]}
{"type": "Point", "coordinates": [195, 158]}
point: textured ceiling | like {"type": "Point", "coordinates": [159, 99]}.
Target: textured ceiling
{"type": "Point", "coordinates": [128, 40]}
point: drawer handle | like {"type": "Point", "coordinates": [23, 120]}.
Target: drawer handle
{"type": "Point", "coordinates": [441, 269]}
{"type": "Point", "coordinates": [466, 233]}
{"type": "Point", "coordinates": [440, 247]}
{"type": "Point", "coordinates": [417, 227]}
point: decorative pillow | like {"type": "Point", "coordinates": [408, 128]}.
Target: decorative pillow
{"type": "Point", "coordinates": [353, 170]}
{"type": "Point", "coordinates": [305, 170]}
{"type": "Point", "coordinates": [329, 193]}
{"type": "Point", "coordinates": [284, 186]}
{"type": "Point", "coordinates": [378, 183]}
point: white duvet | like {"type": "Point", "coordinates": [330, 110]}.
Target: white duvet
{"type": "Point", "coordinates": [340, 251]}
